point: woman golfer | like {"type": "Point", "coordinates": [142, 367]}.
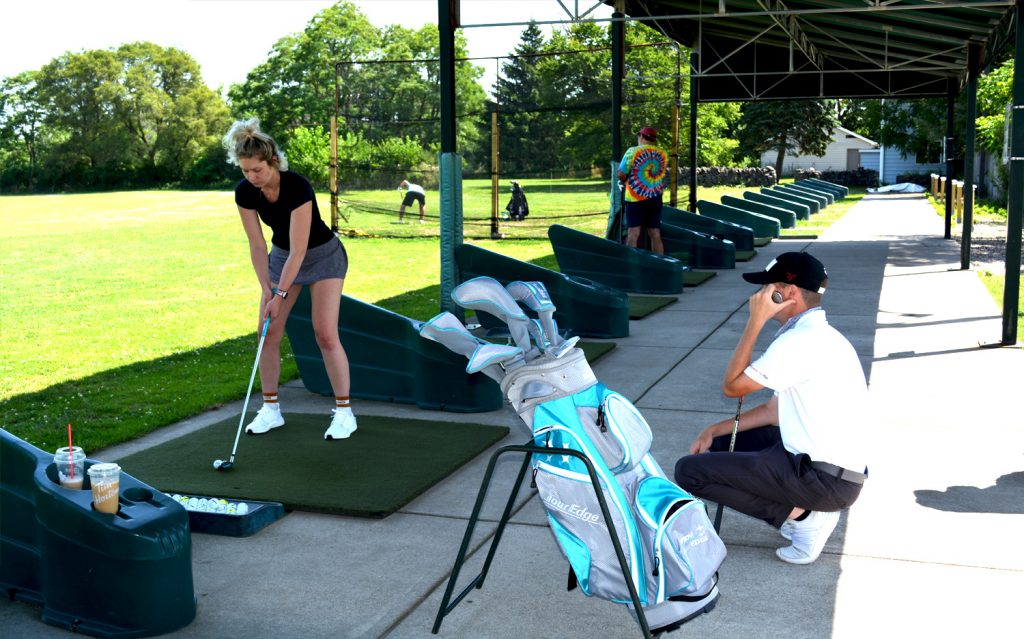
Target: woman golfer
{"type": "Point", "coordinates": [304, 252]}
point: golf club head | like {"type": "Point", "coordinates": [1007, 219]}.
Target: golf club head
{"type": "Point", "coordinates": [223, 465]}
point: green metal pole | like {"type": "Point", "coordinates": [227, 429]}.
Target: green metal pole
{"type": "Point", "coordinates": [1015, 205]}
{"type": "Point", "coordinates": [973, 55]}
{"type": "Point", "coordinates": [618, 66]}
{"type": "Point", "coordinates": [950, 101]}
{"type": "Point", "coordinates": [449, 162]}
{"type": "Point", "coordinates": [694, 62]}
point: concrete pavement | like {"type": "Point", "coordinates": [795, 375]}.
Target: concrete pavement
{"type": "Point", "coordinates": [932, 547]}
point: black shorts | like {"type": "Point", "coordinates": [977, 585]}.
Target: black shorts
{"type": "Point", "coordinates": [644, 213]}
{"type": "Point", "coordinates": [411, 196]}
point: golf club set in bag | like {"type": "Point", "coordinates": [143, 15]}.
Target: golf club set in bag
{"type": "Point", "coordinates": [672, 551]}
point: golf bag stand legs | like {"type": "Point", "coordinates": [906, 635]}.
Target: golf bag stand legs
{"type": "Point", "coordinates": [529, 449]}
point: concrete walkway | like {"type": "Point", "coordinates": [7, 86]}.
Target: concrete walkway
{"type": "Point", "coordinates": [931, 549]}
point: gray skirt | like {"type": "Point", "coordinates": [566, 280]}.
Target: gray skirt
{"type": "Point", "coordinates": [324, 262]}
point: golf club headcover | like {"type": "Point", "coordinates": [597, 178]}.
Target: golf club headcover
{"type": "Point", "coordinates": [488, 295]}
{"type": "Point", "coordinates": [535, 296]}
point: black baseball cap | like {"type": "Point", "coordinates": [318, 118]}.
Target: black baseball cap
{"type": "Point", "coordinates": [801, 269]}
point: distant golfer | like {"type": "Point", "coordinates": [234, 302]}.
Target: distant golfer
{"type": "Point", "coordinates": [413, 193]}
{"type": "Point", "coordinates": [304, 252]}
{"type": "Point", "coordinates": [643, 169]}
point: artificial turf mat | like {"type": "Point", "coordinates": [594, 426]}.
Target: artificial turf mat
{"type": "Point", "coordinates": [640, 306]}
{"type": "Point", "coordinates": [696, 278]}
{"type": "Point", "coordinates": [762, 241]}
{"type": "Point", "coordinates": [595, 350]}
{"type": "Point", "coordinates": [744, 256]}
{"type": "Point", "coordinates": [382, 467]}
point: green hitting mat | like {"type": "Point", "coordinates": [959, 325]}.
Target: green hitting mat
{"type": "Point", "coordinates": [696, 278]}
{"type": "Point", "coordinates": [379, 469]}
{"type": "Point", "coordinates": [595, 350]}
{"type": "Point", "coordinates": [640, 306]}
{"type": "Point", "coordinates": [745, 256]}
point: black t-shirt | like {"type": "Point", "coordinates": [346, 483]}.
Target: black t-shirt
{"type": "Point", "coordinates": [295, 191]}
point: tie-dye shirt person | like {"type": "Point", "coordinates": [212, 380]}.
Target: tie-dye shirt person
{"type": "Point", "coordinates": [645, 167]}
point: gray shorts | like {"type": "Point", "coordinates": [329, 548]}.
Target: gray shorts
{"type": "Point", "coordinates": [324, 262]}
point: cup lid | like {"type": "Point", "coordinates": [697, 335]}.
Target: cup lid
{"type": "Point", "coordinates": [104, 467]}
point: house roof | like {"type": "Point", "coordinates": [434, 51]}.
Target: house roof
{"type": "Point", "coordinates": [790, 49]}
{"type": "Point", "coordinates": [848, 132]}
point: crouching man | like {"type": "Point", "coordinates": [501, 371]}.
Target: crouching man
{"type": "Point", "coordinates": [800, 457]}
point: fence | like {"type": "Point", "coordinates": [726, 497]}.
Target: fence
{"type": "Point", "coordinates": [938, 191]}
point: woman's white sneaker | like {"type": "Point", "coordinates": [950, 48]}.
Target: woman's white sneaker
{"type": "Point", "coordinates": [809, 537]}
{"type": "Point", "coordinates": [267, 418]}
{"type": "Point", "coordinates": [343, 424]}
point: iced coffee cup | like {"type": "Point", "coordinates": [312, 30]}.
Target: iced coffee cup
{"type": "Point", "coordinates": [105, 480]}
{"type": "Point", "coordinates": [70, 466]}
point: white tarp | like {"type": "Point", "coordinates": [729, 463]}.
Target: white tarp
{"type": "Point", "coordinates": [902, 187]}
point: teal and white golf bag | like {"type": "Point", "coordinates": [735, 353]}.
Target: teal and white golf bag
{"type": "Point", "coordinates": [671, 549]}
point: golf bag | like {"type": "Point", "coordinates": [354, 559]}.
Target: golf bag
{"type": "Point", "coordinates": [517, 206]}
{"type": "Point", "coordinates": [671, 549]}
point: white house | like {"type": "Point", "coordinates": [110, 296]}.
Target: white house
{"type": "Point", "coordinates": [843, 153]}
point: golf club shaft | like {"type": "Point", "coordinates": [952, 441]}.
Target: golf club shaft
{"type": "Point", "coordinates": [732, 445]}
{"type": "Point", "coordinates": [252, 378]}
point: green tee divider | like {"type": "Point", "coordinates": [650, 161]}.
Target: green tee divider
{"type": "Point", "coordinates": [802, 211]}
{"type": "Point", "coordinates": [107, 575]}
{"type": "Point", "coordinates": [585, 307]}
{"type": "Point", "coordinates": [703, 250]}
{"type": "Point", "coordinates": [741, 236]}
{"type": "Point", "coordinates": [806, 193]}
{"type": "Point", "coordinates": [786, 218]}
{"type": "Point", "coordinates": [830, 197]}
{"type": "Point", "coordinates": [779, 192]}
{"type": "Point", "coordinates": [389, 361]}
{"type": "Point", "coordinates": [616, 265]}
{"type": "Point", "coordinates": [761, 225]}
{"type": "Point", "coordinates": [837, 191]}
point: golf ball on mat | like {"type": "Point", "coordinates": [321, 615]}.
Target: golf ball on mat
{"type": "Point", "coordinates": [217, 463]}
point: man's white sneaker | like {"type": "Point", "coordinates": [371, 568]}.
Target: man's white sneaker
{"type": "Point", "coordinates": [786, 530]}
{"type": "Point", "coordinates": [267, 418]}
{"type": "Point", "coordinates": [809, 537]}
{"type": "Point", "coordinates": [343, 424]}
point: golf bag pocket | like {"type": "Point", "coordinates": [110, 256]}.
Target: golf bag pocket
{"type": "Point", "coordinates": [618, 431]}
{"type": "Point", "coordinates": [684, 549]}
{"type": "Point", "coordinates": [579, 528]}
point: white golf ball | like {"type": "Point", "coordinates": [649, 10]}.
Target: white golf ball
{"type": "Point", "coordinates": [243, 508]}
{"type": "Point", "coordinates": [217, 463]}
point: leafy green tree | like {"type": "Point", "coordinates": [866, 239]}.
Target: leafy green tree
{"type": "Point", "coordinates": [915, 127]}
{"type": "Point", "coordinates": [309, 153]}
{"type": "Point", "coordinates": [530, 137]}
{"type": "Point", "coordinates": [995, 92]}
{"type": "Point", "coordinates": [295, 86]}
{"type": "Point", "coordinates": [137, 114]}
{"type": "Point", "coordinates": [21, 118]}
{"type": "Point", "coordinates": [805, 126]}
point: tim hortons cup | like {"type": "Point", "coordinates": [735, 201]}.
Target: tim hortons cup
{"type": "Point", "coordinates": [70, 466]}
{"type": "Point", "coordinates": [105, 480]}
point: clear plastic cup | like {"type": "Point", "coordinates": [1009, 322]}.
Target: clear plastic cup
{"type": "Point", "coordinates": [105, 480]}
{"type": "Point", "coordinates": [70, 466]}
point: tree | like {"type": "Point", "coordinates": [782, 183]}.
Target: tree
{"type": "Point", "coordinates": [805, 126]}
{"type": "Point", "coordinates": [21, 117]}
{"type": "Point", "coordinates": [137, 114]}
{"type": "Point", "coordinates": [295, 86]}
{"type": "Point", "coordinates": [527, 131]}
{"type": "Point", "coordinates": [995, 92]}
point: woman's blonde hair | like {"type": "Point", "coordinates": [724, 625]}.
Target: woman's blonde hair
{"type": "Point", "coordinates": [245, 140]}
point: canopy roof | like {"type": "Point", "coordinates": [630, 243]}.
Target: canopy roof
{"type": "Point", "coordinates": [788, 49]}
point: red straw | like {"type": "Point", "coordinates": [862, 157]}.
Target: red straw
{"type": "Point", "coordinates": [71, 453]}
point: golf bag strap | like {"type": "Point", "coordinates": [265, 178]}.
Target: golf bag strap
{"type": "Point", "coordinates": [694, 598]}
{"type": "Point", "coordinates": [571, 584]}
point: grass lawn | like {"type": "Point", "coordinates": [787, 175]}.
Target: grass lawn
{"type": "Point", "coordinates": [125, 312]}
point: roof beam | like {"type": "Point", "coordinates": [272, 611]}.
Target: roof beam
{"type": "Point", "coordinates": [791, 26]}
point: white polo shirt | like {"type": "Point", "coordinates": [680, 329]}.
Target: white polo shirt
{"type": "Point", "coordinates": [821, 389]}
